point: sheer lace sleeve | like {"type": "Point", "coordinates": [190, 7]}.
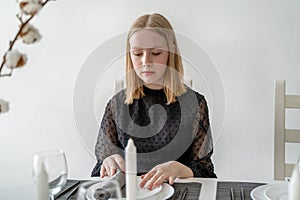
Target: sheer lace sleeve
{"type": "Point", "coordinates": [107, 141]}
{"type": "Point", "coordinates": [202, 147]}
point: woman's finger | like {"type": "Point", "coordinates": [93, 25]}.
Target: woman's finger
{"type": "Point", "coordinates": [156, 180]}
{"type": "Point", "coordinates": [120, 162]}
{"type": "Point", "coordinates": [171, 180]}
{"type": "Point", "coordinates": [102, 171]}
{"type": "Point", "coordinates": [112, 171]}
{"type": "Point", "coordinates": [147, 177]}
{"type": "Point", "coordinates": [159, 180]}
{"type": "Point", "coordinates": [111, 168]}
{"type": "Point", "coordinates": [107, 169]}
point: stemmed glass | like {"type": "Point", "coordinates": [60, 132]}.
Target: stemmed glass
{"type": "Point", "coordinates": [55, 164]}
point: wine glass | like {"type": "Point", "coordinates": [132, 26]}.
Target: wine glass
{"type": "Point", "coordinates": [55, 164]}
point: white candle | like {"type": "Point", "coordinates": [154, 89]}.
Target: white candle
{"type": "Point", "coordinates": [294, 184]}
{"type": "Point", "coordinates": [130, 165]}
{"type": "Point", "coordinates": [42, 184]}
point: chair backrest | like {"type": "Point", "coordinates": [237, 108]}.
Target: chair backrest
{"type": "Point", "coordinates": [119, 84]}
{"type": "Point", "coordinates": [283, 135]}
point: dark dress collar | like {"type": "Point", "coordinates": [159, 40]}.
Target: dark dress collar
{"type": "Point", "coordinates": [153, 92]}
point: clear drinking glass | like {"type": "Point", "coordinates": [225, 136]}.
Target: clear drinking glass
{"type": "Point", "coordinates": [55, 164]}
{"type": "Point", "coordinates": [297, 166]}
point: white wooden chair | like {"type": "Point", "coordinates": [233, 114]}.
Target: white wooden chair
{"type": "Point", "coordinates": [283, 135]}
{"type": "Point", "coordinates": [119, 84]}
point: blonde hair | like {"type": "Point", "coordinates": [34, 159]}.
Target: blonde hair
{"type": "Point", "coordinates": [173, 81]}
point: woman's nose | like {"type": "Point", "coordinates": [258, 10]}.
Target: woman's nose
{"type": "Point", "coordinates": [146, 59]}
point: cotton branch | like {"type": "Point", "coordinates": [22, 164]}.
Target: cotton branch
{"type": "Point", "coordinates": [12, 42]}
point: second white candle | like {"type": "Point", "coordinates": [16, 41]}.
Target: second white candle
{"type": "Point", "coordinates": [130, 165]}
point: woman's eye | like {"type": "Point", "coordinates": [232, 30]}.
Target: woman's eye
{"type": "Point", "coordinates": [156, 53]}
{"type": "Point", "coordinates": [137, 54]}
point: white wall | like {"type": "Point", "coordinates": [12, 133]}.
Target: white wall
{"type": "Point", "coordinates": [251, 43]}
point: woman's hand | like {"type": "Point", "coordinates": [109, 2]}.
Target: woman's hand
{"type": "Point", "coordinates": [111, 164]}
{"type": "Point", "coordinates": [167, 171]}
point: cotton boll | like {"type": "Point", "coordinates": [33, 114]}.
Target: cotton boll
{"type": "Point", "coordinates": [31, 37]}
{"type": "Point", "coordinates": [4, 106]}
{"type": "Point", "coordinates": [14, 59]}
{"type": "Point", "coordinates": [29, 1]}
{"type": "Point", "coordinates": [30, 34]}
{"type": "Point", "coordinates": [30, 7]}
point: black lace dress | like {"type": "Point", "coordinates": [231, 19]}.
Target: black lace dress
{"type": "Point", "coordinates": [179, 131]}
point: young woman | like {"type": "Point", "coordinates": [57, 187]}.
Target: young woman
{"type": "Point", "coordinates": [168, 121]}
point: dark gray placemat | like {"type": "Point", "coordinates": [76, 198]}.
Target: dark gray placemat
{"type": "Point", "coordinates": [223, 189]}
{"type": "Point", "coordinates": [70, 183]}
{"type": "Point", "coordinates": [193, 191]}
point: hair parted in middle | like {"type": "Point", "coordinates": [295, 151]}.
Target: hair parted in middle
{"type": "Point", "coordinates": [173, 81]}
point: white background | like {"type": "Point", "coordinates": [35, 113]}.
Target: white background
{"type": "Point", "coordinates": [252, 43]}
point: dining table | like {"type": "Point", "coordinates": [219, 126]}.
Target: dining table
{"type": "Point", "coordinates": [198, 189]}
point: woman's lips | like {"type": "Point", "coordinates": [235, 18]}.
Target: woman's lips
{"type": "Point", "coordinates": [148, 73]}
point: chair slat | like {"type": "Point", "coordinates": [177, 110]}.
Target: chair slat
{"type": "Point", "coordinates": [119, 85]}
{"type": "Point", "coordinates": [292, 135]}
{"type": "Point", "coordinates": [289, 169]}
{"type": "Point", "coordinates": [279, 150]}
{"type": "Point", "coordinates": [292, 101]}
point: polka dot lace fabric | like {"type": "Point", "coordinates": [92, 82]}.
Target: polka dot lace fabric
{"type": "Point", "coordinates": [174, 134]}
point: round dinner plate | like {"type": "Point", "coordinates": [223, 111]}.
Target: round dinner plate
{"type": "Point", "coordinates": [277, 192]}
{"type": "Point", "coordinates": [143, 193]}
{"type": "Point", "coordinates": [166, 192]}
{"type": "Point", "coordinates": [261, 192]}
{"type": "Point", "coordinates": [162, 192]}
{"type": "Point", "coordinates": [258, 193]}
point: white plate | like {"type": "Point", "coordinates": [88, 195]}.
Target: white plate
{"type": "Point", "coordinates": [277, 192]}
{"type": "Point", "coordinates": [143, 193]}
{"type": "Point", "coordinates": [259, 192]}
{"type": "Point", "coordinates": [166, 192]}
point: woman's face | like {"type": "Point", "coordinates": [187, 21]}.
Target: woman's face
{"type": "Point", "coordinates": [149, 55]}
